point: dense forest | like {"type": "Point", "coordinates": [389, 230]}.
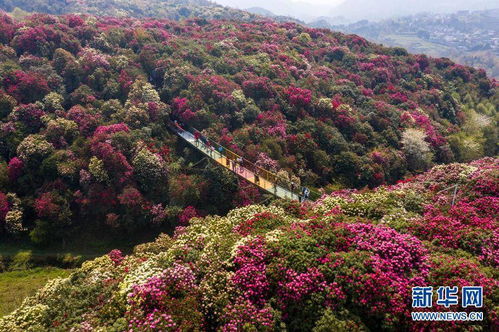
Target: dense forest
{"type": "Point", "coordinates": [345, 263]}
{"type": "Point", "coordinates": [84, 103]}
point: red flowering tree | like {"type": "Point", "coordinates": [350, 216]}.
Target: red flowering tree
{"type": "Point", "coordinates": [4, 208]}
{"type": "Point", "coordinates": [299, 97]}
{"type": "Point", "coordinates": [182, 111]}
{"type": "Point", "coordinates": [258, 88]}
{"type": "Point", "coordinates": [54, 216]}
{"type": "Point", "coordinates": [15, 169]}
{"type": "Point", "coordinates": [7, 28]}
{"type": "Point", "coordinates": [30, 116]}
{"type": "Point", "coordinates": [87, 122]}
{"type": "Point", "coordinates": [187, 214]}
{"type": "Point", "coordinates": [26, 87]}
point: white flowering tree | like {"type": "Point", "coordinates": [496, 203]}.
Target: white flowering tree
{"type": "Point", "coordinates": [417, 150]}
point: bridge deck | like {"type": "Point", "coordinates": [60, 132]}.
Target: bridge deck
{"type": "Point", "coordinates": [241, 171]}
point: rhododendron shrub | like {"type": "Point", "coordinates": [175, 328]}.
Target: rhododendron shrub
{"type": "Point", "coordinates": [15, 168]}
{"type": "Point", "coordinates": [186, 215]}
{"type": "Point", "coordinates": [265, 162]}
{"type": "Point", "coordinates": [86, 121]}
{"type": "Point", "coordinates": [273, 123]}
{"type": "Point", "coordinates": [247, 194]}
{"type": "Point", "coordinates": [8, 28]}
{"type": "Point", "coordinates": [116, 256]}
{"type": "Point", "coordinates": [459, 226]}
{"type": "Point", "coordinates": [149, 169]}
{"type": "Point", "coordinates": [330, 274]}
{"type": "Point", "coordinates": [115, 162]}
{"type": "Point", "coordinates": [244, 314]}
{"type": "Point", "coordinates": [165, 302]}
{"type": "Point", "coordinates": [299, 97]}
{"type": "Point", "coordinates": [54, 215]}
{"type": "Point", "coordinates": [258, 88]}
{"type": "Point", "coordinates": [34, 148]}
{"type": "Point", "coordinates": [181, 109]}
{"type": "Point", "coordinates": [26, 87]}
{"type": "Point", "coordinates": [417, 151]}
{"type": "Point", "coordinates": [30, 116]}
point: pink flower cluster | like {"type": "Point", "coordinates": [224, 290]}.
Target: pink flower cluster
{"type": "Point", "coordinates": [250, 275]}
{"type": "Point", "coordinates": [295, 286]}
{"type": "Point", "coordinates": [180, 278]}
{"type": "Point", "coordinates": [242, 313]}
{"type": "Point", "coordinates": [116, 256]}
{"type": "Point", "coordinates": [259, 87]}
{"type": "Point", "coordinates": [103, 132]}
{"type": "Point", "coordinates": [460, 226]}
{"type": "Point", "coordinates": [246, 195]}
{"type": "Point", "coordinates": [246, 227]}
{"type": "Point", "coordinates": [273, 123]}
{"type": "Point", "coordinates": [153, 321]}
{"type": "Point", "coordinates": [490, 250]}
{"type": "Point", "coordinates": [298, 96]}
{"type": "Point", "coordinates": [433, 136]}
{"type": "Point", "coordinates": [26, 87]}
{"type": "Point", "coordinates": [45, 206]}
{"type": "Point", "coordinates": [15, 170]}
{"type": "Point", "coordinates": [114, 161]}
{"type": "Point", "coordinates": [394, 252]}
{"type": "Point", "coordinates": [182, 110]}
{"type": "Point", "coordinates": [153, 303]}
{"type": "Point", "coordinates": [86, 121]}
{"type": "Point", "coordinates": [187, 214]}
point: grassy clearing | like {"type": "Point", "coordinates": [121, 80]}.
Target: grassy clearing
{"type": "Point", "coordinates": [418, 45]}
{"type": "Point", "coordinates": [87, 244]}
{"type": "Point", "coordinates": [15, 286]}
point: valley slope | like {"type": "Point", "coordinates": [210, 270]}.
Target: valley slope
{"type": "Point", "coordinates": [85, 102]}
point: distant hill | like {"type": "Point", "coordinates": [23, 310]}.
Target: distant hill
{"type": "Point", "coordinates": [260, 11]}
{"type": "Point", "coordinates": [171, 9]}
{"type": "Point", "coordinates": [301, 10]}
{"type": "Point", "coordinates": [354, 10]}
{"type": "Point", "coordinates": [267, 13]}
{"type": "Point", "coordinates": [467, 37]}
{"type": "Point", "coordinates": [380, 9]}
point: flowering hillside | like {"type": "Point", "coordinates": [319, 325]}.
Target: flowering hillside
{"type": "Point", "coordinates": [347, 262]}
{"type": "Point", "coordinates": [84, 103]}
{"type": "Point", "coordinates": [171, 9]}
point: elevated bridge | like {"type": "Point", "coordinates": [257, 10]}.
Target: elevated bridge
{"type": "Point", "coordinates": [260, 177]}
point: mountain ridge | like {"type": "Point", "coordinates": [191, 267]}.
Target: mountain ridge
{"type": "Point", "coordinates": [170, 9]}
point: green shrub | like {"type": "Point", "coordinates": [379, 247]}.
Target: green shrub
{"type": "Point", "coordinates": [22, 261]}
{"type": "Point", "coordinates": [330, 322]}
{"type": "Point", "coordinates": [68, 260]}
